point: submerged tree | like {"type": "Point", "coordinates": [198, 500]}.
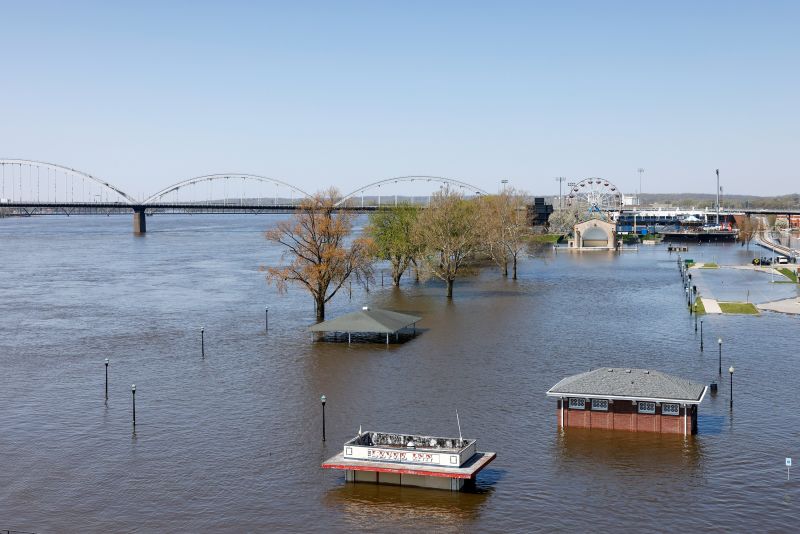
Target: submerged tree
{"type": "Point", "coordinates": [504, 227]}
{"type": "Point", "coordinates": [320, 258]}
{"type": "Point", "coordinates": [392, 232]}
{"type": "Point", "coordinates": [747, 230]}
{"type": "Point", "coordinates": [447, 234]}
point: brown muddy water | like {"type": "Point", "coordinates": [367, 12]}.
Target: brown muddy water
{"type": "Point", "coordinates": [231, 443]}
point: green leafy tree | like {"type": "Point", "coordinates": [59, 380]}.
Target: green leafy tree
{"type": "Point", "coordinates": [391, 230]}
{"type": "Point", "coordinates": [447, 234]}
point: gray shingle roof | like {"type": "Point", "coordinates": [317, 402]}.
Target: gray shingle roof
{"type": "Point", "coordinates": [369, 320]}
{"type": "Point", "coordinates": [629, 383]}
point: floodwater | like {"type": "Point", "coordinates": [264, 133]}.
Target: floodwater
{"type": "Point", "coordinates": [232, 442]}
{"type": "Point", "coordinates": [758, 286]}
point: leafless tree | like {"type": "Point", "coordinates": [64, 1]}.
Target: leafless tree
{"type": "Point", "coordinates": [504, 226]}
{"type": "Point", "coordinates": [317, 253]}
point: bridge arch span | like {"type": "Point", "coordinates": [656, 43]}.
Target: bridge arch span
{"type": "Point", "coordinates": [439, 179]}
{"type": "Point", "coordinates": [67, 171]}
{"type": "Point", "coordinates": [222, 177]}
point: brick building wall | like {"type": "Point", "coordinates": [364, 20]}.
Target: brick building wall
{"type": "Point", "coordinates": [623, 415]}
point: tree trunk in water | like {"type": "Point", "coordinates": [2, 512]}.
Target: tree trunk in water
{"type": "Point", "coordinates": [319, 306]}
{"type": "Point", "coordinates": [515, 268]}
{"type": "Point", "coordinates": [396, 274]}
{"type": "Point", "coordinates": [505, 268]}
{"type": "Point", "coordinates": [450, 289]}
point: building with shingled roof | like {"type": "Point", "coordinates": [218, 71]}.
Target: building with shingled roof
{"type": "Point", "coordinates": [637, 400]}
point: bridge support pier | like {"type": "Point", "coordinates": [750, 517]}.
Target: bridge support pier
{"type": "Point", "coordinates": [139, 221]}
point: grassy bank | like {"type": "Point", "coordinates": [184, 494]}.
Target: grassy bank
{"type": "Point", "coordinates": [788, 273]}
{"type": "Point", "coordinates": [711, 265]}
{"type": "Point", "coordinates": [546, 239]}
{"type": "Point", "coordinates": [701, 309]}
{"type": "Point", "coordinates": [738, 307]}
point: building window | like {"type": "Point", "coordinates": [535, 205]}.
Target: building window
{"type": "Point", "coordinates": [577, 404]}
{"type": "Point", "coordinates": [647, 407]}
{"type": "Point", "coordinates": [600, 405]}
{"type": "Point", "coordinates": [670, 409]}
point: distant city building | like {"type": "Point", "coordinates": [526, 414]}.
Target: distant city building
{"type": "Point", "coordinates": [539, 212]}
{"type": "Point", "coordinates": [636, 400]}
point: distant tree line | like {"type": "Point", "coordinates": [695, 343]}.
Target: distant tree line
{"type": "Point", "coordinates": [446, 239]}
{"type": "Point", "coordinates": [791, 201]}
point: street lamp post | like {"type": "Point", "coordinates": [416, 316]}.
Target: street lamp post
{"type": "Point", "coordinates": [106, 379]}
{"type": "Point", "coordinates": [695, 316]}
{"type": "Point", "coordinates": [719, 342]}
{"type": "Point", "coordinates": [323, 399]}
{"type": "Point", "coordinates": [202, 343]}
{"type": "Point", "coordinates": [730, 370]}
{"type": "Point", "coordinates": [133, 396]}
{"type": "Point", "coordinates": [701, 335]}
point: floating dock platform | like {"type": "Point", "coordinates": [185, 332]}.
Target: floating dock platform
{"type": "Point", "coordinates": [411, 460]}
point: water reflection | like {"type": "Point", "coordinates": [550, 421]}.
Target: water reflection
{"type": "Point", "coordinates": [370, 506]}
{"type": "Point", "coordinates": [626, 452]}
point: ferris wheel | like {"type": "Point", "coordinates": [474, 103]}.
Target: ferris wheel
{"type": "Point", "coordinates": [595, 196]}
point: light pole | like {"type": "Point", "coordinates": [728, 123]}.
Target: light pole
{"type": "Point", "coordinates": [133, 396]}
{"type": "Point", "coordinates": [695, 316]}
{"type": "Point", "coordinates": [701, 335]}
{"type": "Point", "coordinates": [560, 180]}
{"type": "Point", "coordinates": [106, 379]}
{"type": "Point", "coordinates": [719, 342]}
{"type": "Point", "coordinates": [640, 171]}
{"type": "Point", "coordinates": [323, 399]}
{"type": "Point", "coordinates": [202, 342]}
{"type": "Point", "coordinates": [730, 370]}
{"type": "Point", "coordinates": [717, 197]}
{"type": "Point", "coordinates": [266, 319]}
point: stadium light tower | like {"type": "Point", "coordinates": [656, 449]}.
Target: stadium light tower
{"type": "Point", "coordinates": [560, 180]}
{"type": "Point", "coordinates": [640, 170]}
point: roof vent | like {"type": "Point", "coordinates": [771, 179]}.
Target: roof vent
{"type": "Point", "coordinates": [647, 372]}
{"type": "Point", "coordinates": [627, 370]}
{"type": "Point", "coordinates": [610, 370]}
{"type": "Point", "coordinates": [365, 308]}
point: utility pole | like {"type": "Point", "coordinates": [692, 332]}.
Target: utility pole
{"type": "Point", "coordinates": [560, 180]}
{"type": "Point", "coordinates": [717, 197]}
{"type": "Point", "coordinates": [640, 171]}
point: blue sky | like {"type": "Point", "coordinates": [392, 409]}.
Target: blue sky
{"type": "Point", "coordinates": [146, 94]}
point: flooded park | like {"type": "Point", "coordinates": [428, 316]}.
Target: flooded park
{"type": "Point", "coordinates": [229, 440]}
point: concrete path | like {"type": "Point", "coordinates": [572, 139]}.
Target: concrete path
{"type": "Point", "coordinates": [711, 305]}
{"type": "Point", "coordinates": [783, 306]}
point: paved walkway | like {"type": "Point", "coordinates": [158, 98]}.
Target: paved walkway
{"type": "Point", "coordinates": [784, 306]}
{"type": "Point", "coordinates": [711, 305]}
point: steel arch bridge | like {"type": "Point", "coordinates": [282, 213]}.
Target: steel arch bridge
{"type": "Point", "coordinates": [30, 187]}
{"type": "Point", "coordinates": [223, 177]}
{"type": "Point", "coordinates": [464, 186]}
{"type": "Point", "coordinates": [52, 178]}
